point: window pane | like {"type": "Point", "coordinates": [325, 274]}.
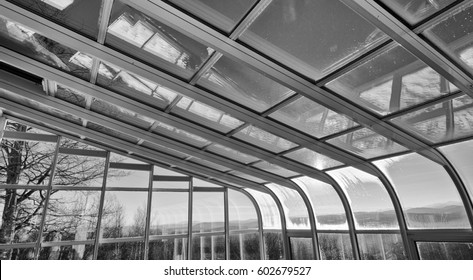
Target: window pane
{"type": "Point", "coordinates": [21, 212]}
{"type": "Point", "coordinates": [208, 247]}
{"type": "Point", "coordinates": [391, 81]}
{"type": "Point", "coordinates": [71, 215]}
{"type": "Point", "coordinates": [71, 95]}
{"type": "Point", "coordinates": [81, 16]}
{"type": "Point", "coordinates": [17, 254]}
{"type": "Point", "coordinates": [297, 215]}
{"type": "Point", "coordinates": [223, 14]}
{"type": "Point", "coordinates": [460, 156]}
{"type": "Point", "coordinates": [264, 139]}
{"type": "Point", "coordinates": [453, 35]}
{"type": "Point", "coordinates": [119, 178]}
{"type": "Point", "coordinates": [244, 85]}
{"type": "Point", "coordinates": [170, 185]}
{"type": "Point", "coordinates": [366, 143]}
{"type": "Point", "coordinates": [241, 211]}
{"type": "Point", "coordinates": [169, 213]}
{"type": "Point", "coordinates": [28, 42]}
{"type": "Point", "coordinates": [311, 36]}
{"type": "Point", "coordinates": [426, 191]}
{"type": "Point", "coordinates": [67, 252]}
{"type": "Point", "coordinates": [369, 200]}
{"type": "Point", "coordinates": [414, 11]}
{"type": "Point", "coordinates": [301, 249]}
{"type": "Point", "coordinates": [433, 123]}
{"type": "Point", "coordinates": [381, 247]}
{"type": "Point", "coordinates": [112, 77]}
{"type": "Point", "coordinates": [273, 246]}
{"type": "Point", "coordinates": [245, 246]}
{"type": "Point", "coordinates": [312, 159]}
{"type": "Point", "coordinates": [312, 118]}
{"type": "Point", "coordinates": [168, 249]}
{"type": "Point", "coordinates": [208, 212]}
{"type": "Point", "coordinates": [154, 42]}
{"type": "Point", "coordinates": [205, 115]}
{"type": "Point", "coordinates": [335, 246]}
{"type": "Point", "coordinates": [75, 170]}
{"type": "Point", "coordinates": [328, 208]}
{"type": "Point", "coordinates": [269, 209]}
{"type": "Point", "coordinates": [124, 214]}
{"type": "Point", "coordinates": [445, 251]}
{"type": "Point", "coordinates": [121, 251]}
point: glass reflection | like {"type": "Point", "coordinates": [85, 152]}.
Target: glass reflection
{"type": "Point", "coordinates": [427, 194]}
{"type": "Point", "coordinates": [17, 254]}
{"type": "Point", "coordinates": [414, 11]}
{"type": "Point", "coordinates": [301, 249]}
{"type": "Point", "coordinates": [83, 171]}
{"type": "Point", "coordinates": [311, 36]}
{"type": "Point", "coordinates": [208, 212]}
{"type": "Point", "coordinates": [208, 247]}
{"type": "Point", "coordinates": [381, 247]}
{"type": "Point", "coordinates": [152, 41]}
{"type": "Point", "coordinates": [453, 35]}
{"type": "Point", "coordinates": [245, 246]}
{"type": "Point", "coordinates": [312, 118]}
{"type": "Point", "coordinates": [168, 249]}
{"type": "Point", "coordinates": [369, 200]}
{"type": "Point", "coordinates": [328, 208]}
{"type": "Point", "coordinates": [79, 15]}
{"type": "Point", "coordinates": [28, 42]}
{"type": "Point", "coordinates": [312, 159]}
{"type": "Point", "coordinates": [269, 209]}
{"type": "Point", "coordinates": [460, 156]}
{"type": "Point", "coordinates": [169, 213]}
{"type": "Point", "coordinates": [241, 211]}
{"type": "Point", "coordinates": [297, 215]}
{"type": "Point", "coordinates": [264, 139]}
{"type": "Point", "coordinates": [71, 216]}
{"type": "Point", "coordinates": [366, 143]}
{"type": "Point", "coordinates": [67, 252]}
{"type": "Point", "coordinates": [335, 246]}
{"type": "Point", "coordinates": [121, 251]}
{"type": "Point", "coordinates": [445, 251]}
{"type": "Point", "coordinates": [391, 81]}
{"type": "Point", "coordinates": [244, 85]}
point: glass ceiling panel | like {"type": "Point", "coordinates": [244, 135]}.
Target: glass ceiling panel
{"type": "Point", "coordinates": [247, 177]}
{"type": "Point", "coordinates": [428, 195]}
{"type": "Point", "coordinates": [111, 132]}
{"type": "Point", "coordinates": [223, 14]}
{"type": "Point", "coordinates": [179, 134]}
{"type": "Point", "coordinates": [391, 81]}
{"type": "Point", "coordinates": [275, 169]}
{"type": "Point", "coordinates": [460, 156]}
{"type": "Point", "coordinates": [454, 35]}
{"type": "Point", "coordinates": [369, 200]}
{"type": "Point", "coordinates": [295, 210]}
{"type": "Point", "coordinates": [312, 159]}
{"type": "Point", "coordinates": [25, 41]}
{"type": "Point", "coordinates": [165, 150]}
{"type": "Point", "coordinates": [205, 115]}
{"type": "Point", "coordinates": [328, 208]}
{"type": "Point", "coordinates": [247, 87]}
{"type": "Point", "coordinates": [154, 42]}
{"type": "Point", "coordinates": [312, 118]}
{"type": "Point", "coordinates": [79, 15]}
{"type": "Point", "coordinates": [114, 78]}
{"type": "Point", "coordinates": [414, 11]}
{"type": "Point", "coordinates": [433, 123]}
{"type": "Point", "coordinates": [231, 153]}
{"type": "Point", "coordinates": [120, 114]}
{"type": "Point", "coordinates": [209, 164]}
{"type": "Point", "coordinates": [264, 139]}
{"type": "Point", "coordinates": [269, 209]}
{"type": "Point", "coordinates": [366, 143]}
{"type": "Point", "coordinates": [312, 37]}
{"type": "Point", "coordinates": [71, 95]}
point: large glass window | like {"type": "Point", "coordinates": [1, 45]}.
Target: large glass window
{"type": "Point", "coordinates": [445, 250]}
{"type": "Point", "coordinates": [328, 208]}
{"type": "Point", "coordinates": [208, 212]}
{"type": "Point", "coordinates": [369, 200]}
{"type": "Point", "coordinates": [245, 246]}
{"type": "Point", "coordinates": [381, 247]}
{"type": "Point", "coordinates": [427, 194]}
{"type": "Point", "coordinates": [168, 249]}
{"type": "Point", "coordinates": [460, 156]}
{"type": "Point", "coordinates": [241, 211]}
{"type": "Point", "coordinates": [208, 247]}
{"type": "Point", "coordinates": [335, 246]}
{"type": "Point", "coordinates": [121, 251]}
{"type": "Point", "coordinates": [269, 209]}
{"type": "Point", "coordinates": [67, 252]}
{"type": "Point", "coordinates": [169, 213]}
{"type": "Point", "coordinates": [297, 215]}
